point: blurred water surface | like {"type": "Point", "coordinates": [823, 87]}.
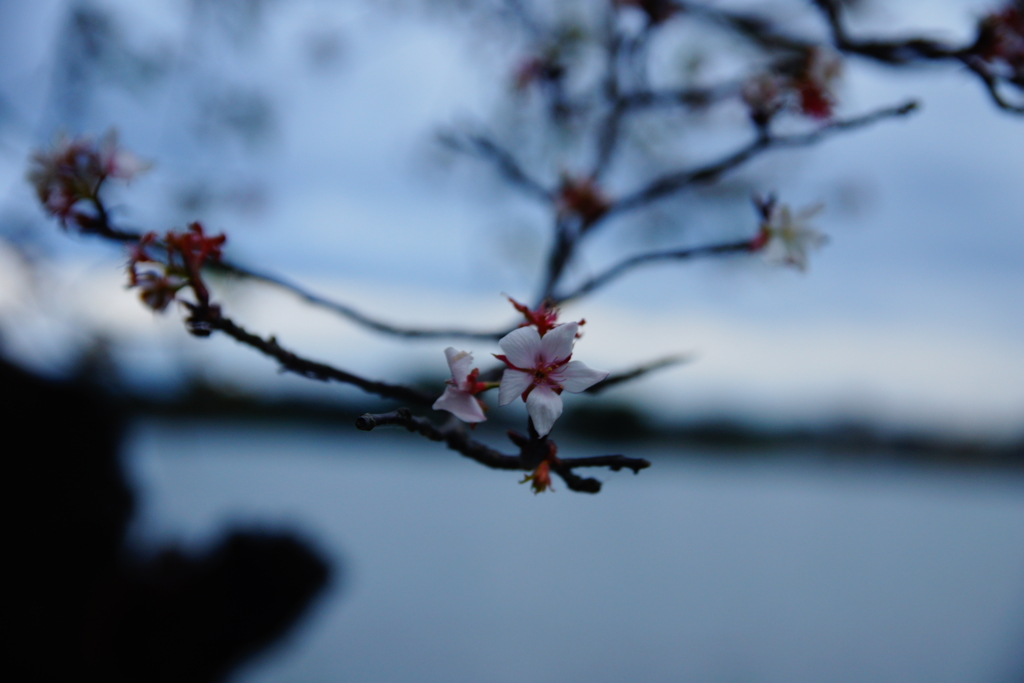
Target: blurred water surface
{"type": "Point", "coordinates": [702, 568]}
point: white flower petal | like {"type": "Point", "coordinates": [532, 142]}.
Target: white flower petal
{"type": "Point", "coordinates": [521, 347]}
{"type": "Point", "coordinates": [809, 212]}
{"type": "Point", "coordinates": [577, 377]}
{"type": "Point", "coordinates": [461, 404]}
{"type": "Point", "coordinates": [775, 252]}
{"type": "Point", "coordinates": [544, 407]}
{"type": "Point", "coordinates": [513, 384]}
{"type": "Point", "coordinates": [460, 363]}
{"type": "Point", "coordinates": [813, 238]}
{"type": "Point", "coordinates": [557, 343]}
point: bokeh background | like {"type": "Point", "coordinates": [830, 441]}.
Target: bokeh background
{"type": "Point", "coordinates": [307, 130]}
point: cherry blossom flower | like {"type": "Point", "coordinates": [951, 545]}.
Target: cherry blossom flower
{"type": "Point", "coordinates": [194, 246]}
{"type": "Point", "coordinates": [544, 317]}
{"type": "Point", "coordinates": [186, 253]}
{"type": "Point", "coordinates": [73, 169]}
{"type": "Point", "coordinates": [118, 162]}
{"type": "Point", "coordinates": [459, 397]}
{"type": "Point", "coordinates": [785, 237]}
{"type": "Point", "coordinates": [1001, 43]}
{"type": "Point", "coordinates": [582, 197]}
{"type": "Point", "coordinates": [539, 369]}
{"type": "Point", "coordinates": [814, 85]}
{"type": "Point", "coordinates": [157, 291]}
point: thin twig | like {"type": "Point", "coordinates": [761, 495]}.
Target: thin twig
{"type": "Point", "coordinates": [887, 51]}
{"type": "Point", "coordinates": [307, 368]}
{"type": "Point", "coordinates": [356, 316]}
{"type": "Point", "coordinates": [453, 434]}
{"type": "Point", "coordinates": [101, 226]}
{"type": "Point", "coordinates": [621, 377]}
{"type": "Point", "coordinates": [608, 131]}
{"type": "Point", "coordinates": [612, 462]}
{"type": "Point", "coordinates": [691, 97]}
{"type": "Point", "coordinates": [485, 148]}
{"type": "Point", "coordinates": [533, 449]}
{"type": "Point", "coordinates": [561, 251]}
{"type": "Point", "coordinates": [755, 29]}
{"type": "Point", "coordinates": [992, 87]}
{"type": "Point", "coordinates": [899, 52]}
{"type": "Point", "coordinates": [677, 180]}
{"type": "Point", "coordinates": [632, 262]}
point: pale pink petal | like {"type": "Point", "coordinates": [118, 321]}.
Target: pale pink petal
{"type": "Point", "coordinates": [461, 404]}
{"type": "Point", "coordinates": [521, 347]}
{"type": "Point", "coordinates": [577, 377]}
{"type": "Point", "coordinates": [809, 212]}
{"type": "Point", "coordinates": [513, 383]}
{"type": "Point", "coordinates": [544, 407]}
{"type": "Point", "coordinates": [460, 363]}
{"type": "Point", "coordinates": [557, 343]}
{"type": "Point", "coordinates": [126, 165]}
{"type": "Point", "coordinates": [775, 252]}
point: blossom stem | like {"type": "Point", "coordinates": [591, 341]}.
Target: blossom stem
{"type": "Point", "coordinates": [532, 450]}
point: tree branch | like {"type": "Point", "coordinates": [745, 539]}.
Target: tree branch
{"type": "Point", "coordinates": [356, 316]}
{"type": "Point", "coordinates": [755, 29]}
{"type": "Point", "coordinates": [612, 462]}
{"type": "Point", "coordinates": [678, 180]}
{"type": "Point", "coordinates": [532, 450]}
{"type": "Point", "coordinates": [899, 52]}
{"type": "Point", "coordinates": [213, 320]}
{"type": "Point", "coordinates": [691, 97]}
{"type": "Point", "coordinates": [632, 262]}
{"type": "Point", "coordinates": [453, 434]}
{"type": "Point", "coordinates": [887, 51]}
{"type": "Point", "coordinates": [486, 148]}
{"type": "Point", "coordinates": [101, 226]}
{"type": "Point", "coordinates": [992, 87]}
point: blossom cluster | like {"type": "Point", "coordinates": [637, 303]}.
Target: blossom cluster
{"type": "Point", "coordinates": [1001, 42]}
{"type": "Point", "coordinates": [538, 368]}
{"type": "Point", "coordinates": [583, 198]}
{"type": "Point", "coordinates": [73, 170]}
{"type": "Point", "coordinates": [184, 254]}
{"type": "Point", "coordinates": [785, 237]}
{"type": "Point", "coordinates": [808, 89]}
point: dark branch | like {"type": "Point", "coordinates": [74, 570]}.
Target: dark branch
{"type": "Point", "coordinates": [301, 366]}
{"type": "Point", "coordinates": [608, 131]}
{"type": "Point", "coordinates": [992, 87]}
{"type": "Point", "coordinates": [561, 251]}
{"type": "Point", "coordinates": [678, 180]}
{"type": "Point", "coordinates": [628, 264]}
{"type": "Point", "coordinates": [887, 51]}
{"type": "Point", "coordinates": [612, 462]}
{"type": "Point", "coordinates": [485, 148]}
{"type": "Point", "coordinates": [756, 29]}
{"type": "Point", "coordinates": [532, 450]}
{"type": "Point", "coordinates": [574, 482]}
{"type": "Point", "coordinates": [356, 316]}
{"type": "Point", "coordinates": [640, 371]}
{"type": "Point", "coordinates": [101, 226]}
{"type": "Point", "coordinates": [453, 434]}
{"type": "Point", "coordinates": [689, 97]}
{"type": "Point", "coordinates": [907, 50]}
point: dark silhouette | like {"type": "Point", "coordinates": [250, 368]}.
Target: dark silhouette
{"type": "Point", "coordinates": [84, 606]}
